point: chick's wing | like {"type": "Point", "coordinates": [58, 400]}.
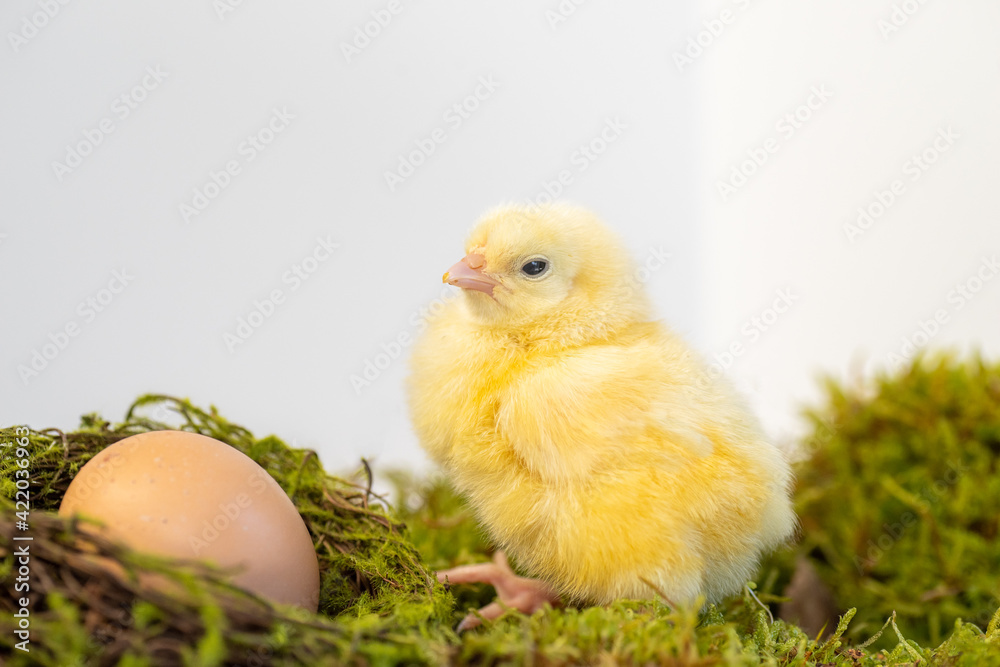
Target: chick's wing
{"type": "Point", "coordinates": [596, 406]}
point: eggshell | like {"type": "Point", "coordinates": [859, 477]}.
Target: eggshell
{"type": "Point", "coordinates": [185, 495]}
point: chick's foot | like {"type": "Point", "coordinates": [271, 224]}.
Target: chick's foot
{"type": "Point", "coordinates": [514, 592]}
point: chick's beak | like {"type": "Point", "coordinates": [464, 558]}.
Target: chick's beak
{"type": "Point", "coordinates": [468, 274]}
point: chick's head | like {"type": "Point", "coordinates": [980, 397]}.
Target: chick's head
{"type": "Point", "coordinates": [551, 269]}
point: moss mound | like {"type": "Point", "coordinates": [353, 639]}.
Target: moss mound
{"type": "Point", "coordinates": [900, 501]}
{"type": "Point", "coordinates": [380, 604]}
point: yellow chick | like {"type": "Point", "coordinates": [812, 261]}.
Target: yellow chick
{"type": "Point", "coordinates": [593, 445]}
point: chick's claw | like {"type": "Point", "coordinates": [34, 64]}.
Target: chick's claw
{"type": "Point", "coordinates": [514, 592]}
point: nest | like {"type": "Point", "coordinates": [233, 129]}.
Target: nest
{"type": "Point", "coordinates": [94, 612]}
{"type": "Point", "coordinates": [82, 610]}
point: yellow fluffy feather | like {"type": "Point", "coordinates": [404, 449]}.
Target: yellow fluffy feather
{"type": "Point", "coordinates": [592, 443]}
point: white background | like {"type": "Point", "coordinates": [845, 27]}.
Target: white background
{"type": "Point", "coordinates": [689, 114]}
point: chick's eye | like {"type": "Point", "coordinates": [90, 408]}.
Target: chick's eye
{"type": "Point", "coordinates": [535, 268]}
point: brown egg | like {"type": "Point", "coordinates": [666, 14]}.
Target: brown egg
{"type": "Point", "coordinates": [185, 495]}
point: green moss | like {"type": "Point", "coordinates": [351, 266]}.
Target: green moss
{"type": "Point", "coordinates": [380, 603]}
{"type": "Point", "coordinates": [900, 501]}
